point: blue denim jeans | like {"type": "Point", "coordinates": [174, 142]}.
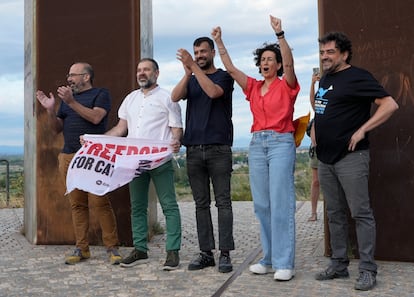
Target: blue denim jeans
{"type": "Point", "coordinates": [213, 163]}
{"type": "Point", "coordinates": [345, 184]}
{"type": "Point", "coordinates": [271, 170]}
{"type": "Point", "coordinates": [163, 179]}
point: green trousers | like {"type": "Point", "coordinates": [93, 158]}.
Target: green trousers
{"type": "Point", "coordinates": [163, 179]}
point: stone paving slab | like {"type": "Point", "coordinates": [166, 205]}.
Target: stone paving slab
{"type": "Point", "coordinates": [39, 270]}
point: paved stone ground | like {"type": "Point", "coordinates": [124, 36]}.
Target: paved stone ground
{"type": "Point", "coordinates": [34, 270]}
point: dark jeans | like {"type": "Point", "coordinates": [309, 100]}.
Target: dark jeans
{"type": "Point", "coordinates": [213, 163]}
{"type": "Point", "coordinates": [345, 184]}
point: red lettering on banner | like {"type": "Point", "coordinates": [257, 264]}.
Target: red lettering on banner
{"type": "Point", "coordinates": [132, 150]}
{"type": "Point", "coordinates": [94, 149]}
{"type": "Point", "coordinates": [107, 152]}
{"type": "Point", "coordinates": [144, 150]}
{"type": "Point", "coordinates": [110, 150]}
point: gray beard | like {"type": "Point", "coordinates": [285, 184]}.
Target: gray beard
{"type": "Point", "coordinates": [146, 85]}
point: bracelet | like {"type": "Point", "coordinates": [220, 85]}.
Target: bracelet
{"type": "Point", "coordinates": [281, 37]}
{"type": "Point", "coordinates": [281, 33]}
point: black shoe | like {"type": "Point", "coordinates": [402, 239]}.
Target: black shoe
{"type": "Point", "coordinates": [135, 257]}
{"type": "Point", "coordinates": [330, 273]}
{"type": "Point", "coordinates": [172, 262]}
{"type": "Point", "coordinates": [225, 264]}
{"type": "Point", "coordinates": [202, 261]}
{"type": "Point", "coordinates": [366, 281]}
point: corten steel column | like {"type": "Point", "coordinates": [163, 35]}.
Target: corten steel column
{"type": "Point", "coordinates": [107, 34]}
{"type": "Point", "coordinates": [382, 36]}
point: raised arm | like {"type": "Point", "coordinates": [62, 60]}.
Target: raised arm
{"type": "Point", "coordinates": [180, 90]}
{"type": "Point", "coordinates": [49, 104]}
{"type": "Point", "coordinates": [315, 78]}
{"type": "Point", "coordinates": [93, 115]}
{"type": "Point", "coordinates": [236, 74]}
{"type": "Point", "coordinates": [209, 87]}
{"type": "Point", "coordinates": [285, 51]}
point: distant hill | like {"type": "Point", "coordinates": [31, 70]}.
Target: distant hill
{"type": "Point", "coordinates": [11, 150]}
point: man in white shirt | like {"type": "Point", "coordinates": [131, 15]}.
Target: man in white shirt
{"type": "Point", "coordinates": [150, 113]}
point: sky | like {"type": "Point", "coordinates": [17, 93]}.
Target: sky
{"type": "Point", "coordinates": [245, 26]}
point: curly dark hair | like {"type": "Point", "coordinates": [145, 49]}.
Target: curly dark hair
{"type": "Point", "coordinates": [273, 47]}
{"type": "Point", "coordinates": [342, 42]}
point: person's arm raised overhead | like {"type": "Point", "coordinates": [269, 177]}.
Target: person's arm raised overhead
{"type": "Point", "coordinates": [236, 74]}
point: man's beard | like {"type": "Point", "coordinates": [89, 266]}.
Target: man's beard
{"type": "Point", "coordinates": [76, 88]}
{"type": "Point", "coordinates": [206, 66]}
{"type": "Point", "coordinates": [147, 84]}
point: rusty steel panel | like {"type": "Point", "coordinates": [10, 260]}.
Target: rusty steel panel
{"type": "Point", "coordinates": [105, 34]}
{"type": "Point", "coordinates": [382, 36]}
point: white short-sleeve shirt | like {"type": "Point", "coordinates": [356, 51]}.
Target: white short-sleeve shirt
{"type": "Point", "coordinates": [150, 116]}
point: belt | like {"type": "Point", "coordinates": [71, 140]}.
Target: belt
{"type": "Point", "coordinates": [202, 146]}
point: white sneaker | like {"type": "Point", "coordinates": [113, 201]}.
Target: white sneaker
{"type": "Point", "coordinates": [260, 269]}
{"type": "Point", "coordinates": [284, 274]}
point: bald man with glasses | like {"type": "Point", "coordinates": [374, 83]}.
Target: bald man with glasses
{"type": "Point", "coordinates": [84, 110]}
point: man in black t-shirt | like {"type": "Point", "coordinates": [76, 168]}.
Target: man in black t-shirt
{"type": "Point", "coordinates": [208, 137]}
{"type": "Point", "coordinates": [83, 110]}
{"type": "Point", "coordinates": [342, 122]}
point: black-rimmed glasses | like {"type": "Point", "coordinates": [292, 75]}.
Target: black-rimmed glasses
{"type": "Point", "coordinates": [74, 74]}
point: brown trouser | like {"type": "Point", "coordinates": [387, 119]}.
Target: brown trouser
{"type": "Point", "coordinates": [80, 202]}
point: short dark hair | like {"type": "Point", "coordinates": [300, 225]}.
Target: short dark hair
{"type": "Point", "coordinates": [200, 40]}
{"type": "Point", "coordinates": [154, 63]}
{"type": "Point", "coordinates": [273, 47]}
{"type": "Point", "coordinates": [342, 42]}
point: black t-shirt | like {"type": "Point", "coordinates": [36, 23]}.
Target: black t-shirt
{"type": "Point", "coordinates": [342, 105]}
{"type": "Point", "coordinates": [74, 125]}
{"type": "Point", "coordinates": [208, 121]}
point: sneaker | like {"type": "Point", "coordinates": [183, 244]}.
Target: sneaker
{"type": "Point", "coordinates": [331, 273]}
{"type": "Point", "coordinates": [260, 269]}
{"type": "Point", "coordinates": [172, 262]}
{"type": "Point", "coordinates": [114, 256]}
{"type": "Point", "coordinates": [284, 274]}
{"type": "Point", "coordinates": [202, 261]}
{"type": "Point", "coordinates": [135, 257]}
{"type": "Point", "coordinates": [77, 256]}
{"type": "Point", "coordinates": [225, 265]}
{"type": "Point", "coordinates": [366, 281]}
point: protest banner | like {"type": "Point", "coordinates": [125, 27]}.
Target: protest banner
{"type": "Point", "coordinates": [105, 163]}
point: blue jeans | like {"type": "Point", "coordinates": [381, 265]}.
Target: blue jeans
{"type": "Point", "coordinates": [271, 171]}
{"type": "Point", "coordinates": [163, 179]}
{"type": "Point", "coordinates": [213, 163]}
{"type": "Point", "coordinates": [345, 184]}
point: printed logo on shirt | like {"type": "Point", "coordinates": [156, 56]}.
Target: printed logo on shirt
{"type": "Point", "coordinates": [320, 101]}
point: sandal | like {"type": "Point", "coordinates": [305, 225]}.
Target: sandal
{"type": "Point", "coordinates": [313, 218]}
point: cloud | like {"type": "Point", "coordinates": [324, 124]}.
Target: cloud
{"type": "Point", "coordinates": [176, 24]}
{"type": "Point", "coordinates": [239, 17]}
{"type": "Point", "coordinates": [12, 40]}
{"type": "Point", "coordinates": [11, 95]}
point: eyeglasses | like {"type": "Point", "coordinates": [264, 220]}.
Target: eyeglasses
{"type": "Point", "coordinates": [74, 74]}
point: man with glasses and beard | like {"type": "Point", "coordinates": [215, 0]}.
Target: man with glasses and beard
{"type": "Point", "coordinates": [84, 110]}
{"type": "Point", "coordinates": [208, 137]}
{"type": "Point", "coordinates": [149, 113]}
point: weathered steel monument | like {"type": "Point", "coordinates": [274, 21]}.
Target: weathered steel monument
{"type": "Point", "coordinates": [381, 33]}
{"type": "Point", "coordinates": [111, 36]}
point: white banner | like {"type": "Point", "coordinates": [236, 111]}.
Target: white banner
{"type": "Point", "coordinates": [105, 163]}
